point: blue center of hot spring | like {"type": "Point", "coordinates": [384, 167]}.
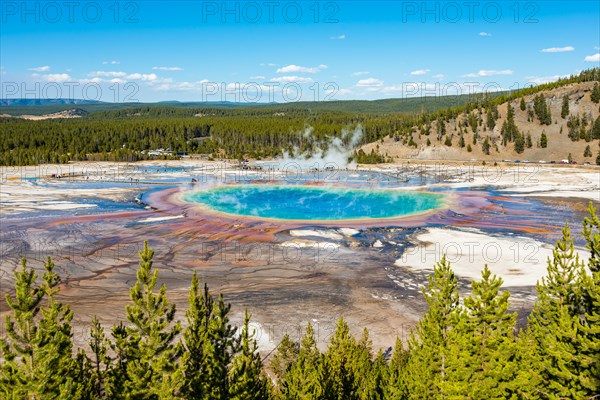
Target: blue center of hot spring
{"type": "Point", "coordinates": [313, 203]}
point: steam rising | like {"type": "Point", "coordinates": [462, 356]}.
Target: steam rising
{"type": "Point", "coordinates": [336, 153]}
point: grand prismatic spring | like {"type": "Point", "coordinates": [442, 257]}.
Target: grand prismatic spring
{"type": "Point", "coordinates": [305, 203]}
{"type": "Point", "coordinates": [294, 247]}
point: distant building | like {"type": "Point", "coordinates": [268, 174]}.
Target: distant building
{"type": "Point", "coordinates": [159, 152]}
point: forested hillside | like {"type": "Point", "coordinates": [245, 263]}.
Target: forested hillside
{"type": "Point", "coordinates": [122, 135]}
{"type": "Point", "coordinates": [485, 125]}
{"type": "Point", "coordinates": [555, 122]}
{"type": "Point", "coordinates": [467, 348]}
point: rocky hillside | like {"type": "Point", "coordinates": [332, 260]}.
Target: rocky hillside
{"type": "Point", "coordinates": [71, 113]}
{"type": "Point", "coordinates": [571, 134]}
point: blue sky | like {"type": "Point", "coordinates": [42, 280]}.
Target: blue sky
{"type": "Point", "coordinates": [288, 50]}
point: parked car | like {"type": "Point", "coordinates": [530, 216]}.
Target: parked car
{"type": "Point", "coordinates": [574, 162]}
{"type": "Point", "coordinates": [552, 162]}
{"type": "Point", "coordinates": [517, 161]}
{"type": "Point", "coordinates": [542, 162]}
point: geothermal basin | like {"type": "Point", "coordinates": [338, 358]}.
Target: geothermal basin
{"type": "Point", "coordinates": [309, 203]}
{"type": "Point", "coordinates": [291, 248]}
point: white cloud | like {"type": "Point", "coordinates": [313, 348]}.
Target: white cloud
{"type": "Point", "coordinates": [258, 77]}
{"type": "Point", "coordinates": [489, 72]}
{"type": "Point", "coordinates": [439, 76]}
{"type": "Point", "coordinates": [40, 69]}
{"type": "Point", "coordinates": [558, 49]}
{"type": "Point", "coordinates": [393, 89]}
{"type": "Point", "coordinates": [338, 37]}
{"type": "Point", "coordinates": [369, 83]}
{"type": "Point", "coordinates": [299, 69]}
{"type": "Point", "coordinates": [168, 68]}
{"type": "Point", "coordinates": [538, 80]}
{"type": "Point", "coordinates": [290, 79]}
{"type": "Point", "coordinates": [143, 77]}
{"type": "Point", "coordinates": [120, 74]}
{"type": "Point", "coordinates": [56, 77]}
{"type": "Point", "coordinates": [111, 62]}
{"type": "Point", "coordinates": [93, 80]}
{"type": "Point", "coordinates": [268, 65]}
{"type": "Point", "coordinates": [592, 58]}
{"type": "Point", "coordinates": [360, 73]}
{"type": "Point", "coordinates": [107, 74]}
{"type": "Point", "coordinates": [420, 72]}
{"type": "Point", "coordinates": [485, 34]}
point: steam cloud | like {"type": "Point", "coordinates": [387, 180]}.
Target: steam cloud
{"type": "Point", "coordinates": [335, 153]}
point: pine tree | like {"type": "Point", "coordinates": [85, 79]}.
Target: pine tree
{"type": "Point", "coordinates": [564, 112]}
{"type": "Point", "coordinates": [543, 140]}
{"type": "Point", "coordinates": [553, 324]}
{"type": "Point", "coordinates": [101, 363]}
{"type": "Point", "coordinates": [152, 372]}
{"type": "Point", "coordinates": [519, 143]}
{"type": "Point", "coordinates": [209, 344]}
{"type": "Point", "coordinates": [124, 352]}
{"type": "Point", "coordinates": [342, 380]}
{"type": "Point", "coordinates": [37, 349]}
{"type": "Point", "coordinates": [596, 129]}
{"type": "Point", "coordinates": [428, 346]}
{"type": "Point", "coordinates": [490, 120]}
{"type": "Point", "coordinates": [485, 349]}
{"type": "Point", "coordinates": [369, 376]}
{"type": "Point", "coordinates": [441, 129]}
{"type": "Point", "coordinates": [542, 110]}
{"type": "Point", "coordinates": [247, 380]}
{"type": "Point", "coordinates": [509, 129]}
{"type": "Point", "coordinates": [376, 383]}
{"type": "Point", "coordinates": [588, 151]}
{"type": "Point", "coordinates": [486, 146]}
{"type": "Point", "coordinates": [396, 387]}
{"type": "Point", "coordinates": [528, 141]}
{"type": "Point", "coordinates": [595, 96]}
{"type": "Point", "coordinates": [522, 104]}
{"type": "Point", "coordinates": [528, 381]}
{"type": "Point", "coordinates": [305, 379]}
{"type": "Point", "coordinates": [589, 326]}
{"type": "Point", "coordinates": [285, 357]}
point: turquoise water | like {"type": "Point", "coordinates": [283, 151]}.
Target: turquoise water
{"type": "Point", "coordinates": [313, 203]}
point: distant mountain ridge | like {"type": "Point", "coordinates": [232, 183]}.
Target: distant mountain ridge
{"type": "Point", "coordinates": [17, 107]}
